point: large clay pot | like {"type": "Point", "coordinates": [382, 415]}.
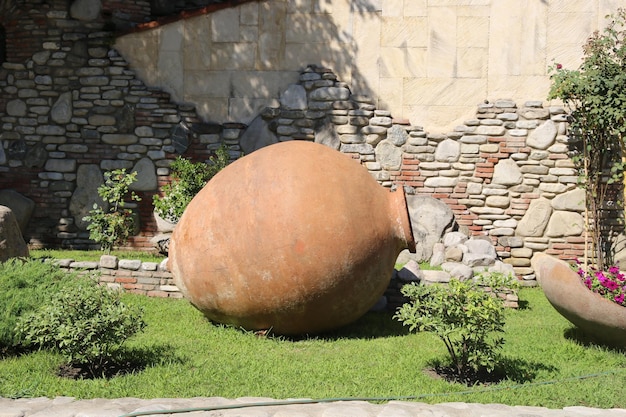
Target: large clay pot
{"type": "Point", "coordinates": [596, 316]}
{"type": "Point", "coordinates": [295, 237]}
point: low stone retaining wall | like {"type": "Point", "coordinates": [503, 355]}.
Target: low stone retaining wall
{"type": "Point", "coordinates": [152, 279]}
{"type": "Point", "coordinates": [132, 275]}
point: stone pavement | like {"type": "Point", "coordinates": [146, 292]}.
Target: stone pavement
{"type": "Point", "coordinates": [250, 407]}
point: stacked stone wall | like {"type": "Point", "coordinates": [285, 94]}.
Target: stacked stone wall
{"type": "Point", "coordinates": [74, 109]}
{"type": "Point", "coordinates": [506, 172]}
{"type": "Point", "coordinates": [131, 275]}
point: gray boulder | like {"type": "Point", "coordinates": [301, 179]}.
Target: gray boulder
{"type": "Point", "coordinates": [86, 10]}
{"type": "Point", "coordinates": [458, 270]}
{"type": "Point", "coordinates": [85, 195]}
{"type": "Point", "coordinates": [430, 220]}
{"type": "Point", "coordinates": [21, 206]}
{"type": "Point", "coordinates": [256, 136]}
{"type": "Point", "coordinates": [480, 252]}
{"type": "Point", "coordinates": [12, 243]}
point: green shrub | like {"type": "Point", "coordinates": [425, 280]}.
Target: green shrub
{"type": "Point", "coordinates": [463, 316]}
{"type": "Point", "coordinates": [24, 286]}
{"type": "Point", "coordinates": [113, 225]}
{"type": "Point", "coordinates": [188, 179]}
{"type": "Point", "coordinates": [498, 281]}
{"type": "Point", "coordinates": [87, 324]}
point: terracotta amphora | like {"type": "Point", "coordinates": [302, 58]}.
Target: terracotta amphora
{"type": "Point", "coordinates": [599, 318]}
{"type": "Point", "coordinates": [294, 238]}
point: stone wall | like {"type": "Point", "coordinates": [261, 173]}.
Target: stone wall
{"type": "Point", "coordinates": [154, 280]}
{"type": "Point", "coordinates": [72, 110]}
{"type": "Point", "coordinates": [425, 61]}
{"type": "Point", "coordinates": [505, 173]}
{"type": "Point", "coordinates": [131, 275]}
{"type": "Point", "coordinates": [76, 109]}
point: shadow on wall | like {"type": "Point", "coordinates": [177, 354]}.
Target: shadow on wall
{"type": "Point", "coordinates": [234, 62]}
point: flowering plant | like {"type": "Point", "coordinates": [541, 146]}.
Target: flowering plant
{"type": "Point", "coordinates": [610, 284]}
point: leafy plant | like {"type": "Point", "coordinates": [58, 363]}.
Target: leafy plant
{"type": "Point", "coordinates": [23, 287]}
{"type": "Point", "coordinates": [188, 179]}
{"type": "Point", "coordinates": [497, 281]}
{"type": "Point", "coordinates": [113, 226]}
{"type": "Point", "coordinates": [595, 95]}
{"type": "Point", "coordinates": [463, 316]}
{"type": "Point", "coordinates": [87, 324]}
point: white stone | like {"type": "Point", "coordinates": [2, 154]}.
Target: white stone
{"type": "Point", "coordinates": [565, 223]}
{"type": "Point", "coordinates": [436, 182]}
{"type": "Point", "coordinates": [498, 201]}
{"type": "Point", "coordinates": [448, 151]}
{"type": "Point", "coordinates": [507, 172]}
{"type": "Point", "coordinates": [543, 136]}
{"type": "Point", "coordinates": [535, 219]}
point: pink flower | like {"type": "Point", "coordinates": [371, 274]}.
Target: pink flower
{"type": "Point", "coordinates": [619, 299]}
{"type": "Point", "coordinates": [559, 66]}
{"type": "Point", "coordinates": [610, 285]}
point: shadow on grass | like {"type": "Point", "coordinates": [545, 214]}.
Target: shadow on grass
{"type": "Point", "coordinates": [508, 369]}
{"type": "Point", "coordinates": [523, 305]}
{"type": "Point", "coordinates": [578, 336]}
{"type": "Point", "coordinates": [372, 325]}
{"type": "Point", "coordinates": [126, 361]}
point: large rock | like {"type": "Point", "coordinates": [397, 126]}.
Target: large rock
{"type": "Point", "coordinates": [535, 219]}
{"type": "Point", "coordinates": [573, 200]}
{"type": "Point", "coordinates": [88, 180]}
{"type": "Point", "coordinates": [12, 243]}
{"type": "Point", "coordinates": [327, 135]}
{"type": "Point", "coordinates": [146, 176]}
{"type": "Point", "coordinates": [430, 219]}
{"type": "Point", "coordinates": [389, 155]}
{"type": "Point", "coordinates": [480, 252]}
{"type": "Point", "coordinates": [507, 172]}
{"type": "Point", "coordinates": [565, 223]}
{"type": "Point", "coordinates": [61, 111]}
{"type": "Point", "coordinates": [86, 10]}
{"type": "Point", "coordinates": [543, 136]}
{"type": "Point", "coordinates": [256, 136]}
{"type": "Point", "coordinates": [448, 151]}
{"type": "Point", "coordinates": [21, 206]}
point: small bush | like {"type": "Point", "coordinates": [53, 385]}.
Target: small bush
{"type": "Point", "coordinates": [188, 179]}
{"type": "Point", "coordinates": [113, 225]}
{"type": "Point", "coordinates": [464, 317]}
{"type": "Point", "coordinates": [86, 324]}
{"type": "Point", "coordinates": [24, 285]}
{"type": "Point", "coordinates": [498, 281]}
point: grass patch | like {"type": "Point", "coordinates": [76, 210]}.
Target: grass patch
{"type": "Point", "coordinates": [185, 356]}
{"type": "Point", "coordinates": [94, 255]}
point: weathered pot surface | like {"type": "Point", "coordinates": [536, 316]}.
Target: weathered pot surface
{"type": "Point", "coordinates": [295, 237]}
{"type": "Point", "coordinates": [596, 316]}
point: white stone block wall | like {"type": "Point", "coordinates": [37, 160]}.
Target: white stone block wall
{"type": "Point", "coordinates": [427, 61]}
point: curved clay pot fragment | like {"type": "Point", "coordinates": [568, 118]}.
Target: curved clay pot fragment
{"type": "Point", "coordinates": [596, 316]}
{"type": "Point", "coordinates": [295, 237]}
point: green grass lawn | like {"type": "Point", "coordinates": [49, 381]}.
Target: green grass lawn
{"type": "Point", "coordinates": [186, 356]}
{"type": "Point", "coordinates": [94, 255]}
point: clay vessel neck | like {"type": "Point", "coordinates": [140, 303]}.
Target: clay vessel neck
{"type": "Point", "coordinates": [401, 222]}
